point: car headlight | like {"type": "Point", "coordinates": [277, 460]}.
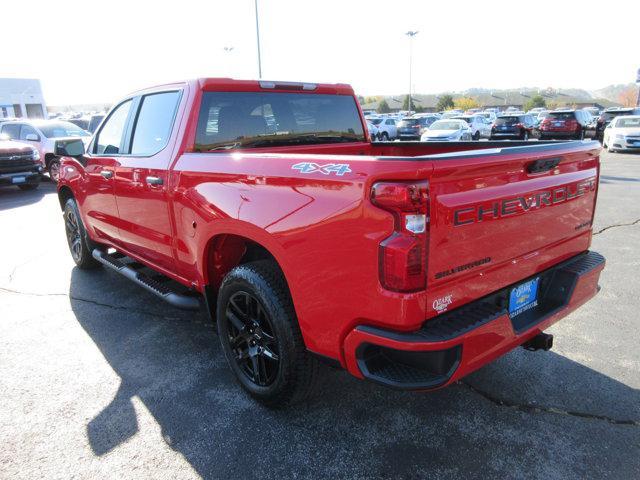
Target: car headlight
{"type": "Point", "coordinates": [619, 137]}
{"type": "Point", "coordinates": [35, 155]}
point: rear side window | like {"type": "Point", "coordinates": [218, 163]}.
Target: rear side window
{"type": "Point", "coordinates": [154, 122]}
{"type": "Point", "coordinates": [109, 139]}
{"type": "Point", "coordinates": [231, 120]}
{"type": "Point", "coordinates": [12, 130]}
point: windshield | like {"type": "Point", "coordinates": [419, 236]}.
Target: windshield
{"type": "Point", "coordinates": [608, 116]}
{"type": "Point", "coordinates": [445, 125]}
{"type": "Point", "coordinates": [61, 129]}
{"type": "Point", "coordinates": [231, 120]}
{"type": "Point", "coordinates": [633, 122]}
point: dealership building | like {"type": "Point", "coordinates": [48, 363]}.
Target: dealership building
{"type": "Point", "coordinates": [21, 98]}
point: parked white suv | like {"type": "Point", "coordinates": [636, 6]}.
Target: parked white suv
{"type": "Point", "coordinates": [387, 128]}
{"type": "Point", "coordinates": [42, 135]}
{"type": "Point", "coordinates": [479, 126]}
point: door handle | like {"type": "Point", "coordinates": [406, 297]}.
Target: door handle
{"type": "Point", "coordinates": [154, 180]}
{"type": "Point", "coordinates": [107, 174]}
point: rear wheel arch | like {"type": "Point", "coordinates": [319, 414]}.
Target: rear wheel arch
{"type": "Point", "coordinates": [226, 251]}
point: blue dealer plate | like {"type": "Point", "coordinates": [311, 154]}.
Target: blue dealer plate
{"type": "Point", "coordinates": [523, 297]}
{"type": "Point", "coordinates": [18, 180]}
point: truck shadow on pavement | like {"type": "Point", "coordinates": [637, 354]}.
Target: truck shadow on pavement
{"type": "Point", "coordinates": [13, 197]}
{"type": "Point", "coordinates": [171, 361]}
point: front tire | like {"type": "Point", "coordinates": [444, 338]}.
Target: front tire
{"type": "Point", "coordinates": [260, 336]}
{"type": "Point", "coordinates": [80, 246]}
{"type": "Point", "coordinates": [384, 137]}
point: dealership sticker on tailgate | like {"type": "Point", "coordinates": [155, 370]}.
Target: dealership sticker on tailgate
{"type": "Point", "coordinates": [523, 297]}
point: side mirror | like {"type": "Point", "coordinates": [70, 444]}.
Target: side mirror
{"type": "Point", "coordinates": [69, 148]}
{"type": "Point", "coordinates": [32, 137]}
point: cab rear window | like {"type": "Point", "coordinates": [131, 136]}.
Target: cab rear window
{"type": "Point", "coordinates": [231, 120]}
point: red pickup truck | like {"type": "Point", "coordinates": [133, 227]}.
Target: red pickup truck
{"type": "Point", "coordinates": [409, 264]}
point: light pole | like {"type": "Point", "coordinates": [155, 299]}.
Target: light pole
{"type": "Point", "coordinates": [258, 38]}
{"type": "Point", "coordinates": [410, 34]}
{"type": "Point", "coordinates": [638, 84]}
{"type": "Point", "coordinates": [227, 57]}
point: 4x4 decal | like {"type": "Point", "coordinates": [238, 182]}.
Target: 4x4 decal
{"type": "Point", "coordinates": [308, 167]}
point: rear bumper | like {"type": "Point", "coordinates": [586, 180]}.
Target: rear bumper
{"type": "Point", "coordinates": [506, 135]}
{"type": "Point", "coordinates": [459, 342]}
{"type": "Point", "coordinates": [558, 134]}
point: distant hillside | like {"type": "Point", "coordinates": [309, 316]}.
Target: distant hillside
{"type": "Point", "coordinates": [500, 98]}
{"type": "Point", "coordinates": [612, 92]}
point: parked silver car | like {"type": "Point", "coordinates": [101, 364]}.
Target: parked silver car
{"type": "Point", "coordinates": [447, 130]}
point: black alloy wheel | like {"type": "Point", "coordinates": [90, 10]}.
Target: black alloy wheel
{"type": "Point", "coordinates": [74, 235]}
{"type": "Point", "coordinates": [252, 339]}
{"type": "Point", "coordinates": [260, 336]}
{"type": "Point", "coordinates": [80, 246]}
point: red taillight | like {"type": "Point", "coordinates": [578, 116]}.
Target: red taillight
{"type": "Point", "coordinates": [403, 255]}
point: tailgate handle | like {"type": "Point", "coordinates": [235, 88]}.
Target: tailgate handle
{"type": "Point", "coordinates": [543, 165]}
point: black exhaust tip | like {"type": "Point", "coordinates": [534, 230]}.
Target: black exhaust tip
{"type": "Point", "coordinates": [542, 341]}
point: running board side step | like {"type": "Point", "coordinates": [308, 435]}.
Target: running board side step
{"type": "Point", "coordinates": [178, 300]}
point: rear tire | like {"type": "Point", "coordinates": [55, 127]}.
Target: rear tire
{"type": "Point", "coordinates": [384, 137]}
{"type": "Point", "coordinates": [260, 336]}
{"type": "Point", "coordinates": [80, 246]}
{"type": "Point", "coordinates": [476, 136]}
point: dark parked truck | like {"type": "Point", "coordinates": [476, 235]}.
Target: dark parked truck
{"type": "Point", "coordinates": [20, 165]}
{"type": "Point", "coordinates": [409, 264]}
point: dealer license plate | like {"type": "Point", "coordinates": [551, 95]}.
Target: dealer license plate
{"type": "Point", "coordinates": [18, 180]}
{"type": "Point", "coordinates": [523, 297]}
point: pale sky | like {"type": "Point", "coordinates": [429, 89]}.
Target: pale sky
{"type": "Point", "coordinates": [89, 51]}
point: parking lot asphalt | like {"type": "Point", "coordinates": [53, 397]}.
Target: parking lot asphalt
{"type": "Point", "coordinates": [100, 380]}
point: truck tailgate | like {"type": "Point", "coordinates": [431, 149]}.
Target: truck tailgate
{"type": "Point", "coordinates": [506, 214]}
